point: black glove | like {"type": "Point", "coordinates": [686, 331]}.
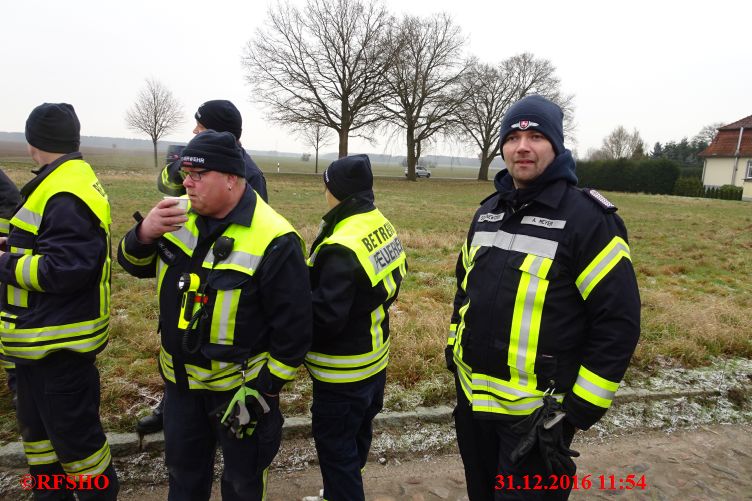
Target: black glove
{"type": "Point", "coordinates": [449, 356]}
{"type": "Point", "coordinates": [545, 428]}
{"type": "Point", "coordinates": [243, 411]}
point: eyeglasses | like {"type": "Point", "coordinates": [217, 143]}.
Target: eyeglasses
{"type": "Point", "coordinates": [194, 175]}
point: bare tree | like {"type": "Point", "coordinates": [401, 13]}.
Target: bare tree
{"type": "Point", "coordinates": [316, 136]}
{"type": "Point", "coordinates": [321, 64]}
{"type": "Point", "coordinates": [156, 113]}
{"type": "Point", "coordinates": [620, 143]}
{"type": "Point", "coordinates": [708, 133]}
{"type": "Point", "coordinates": [423, 80]}
{"type": "Point", "coordinates": [487, 92]}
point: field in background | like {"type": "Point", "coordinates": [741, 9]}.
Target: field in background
{"type": "Point", "coordinates": [691, 256]}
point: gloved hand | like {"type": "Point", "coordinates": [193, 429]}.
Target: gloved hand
{"type": "Point", "coordinates": [545, 428]}
{"type": "Point", "coordinates": [241, 414]}
{"type": "Point", "coordinates": [449, 357]}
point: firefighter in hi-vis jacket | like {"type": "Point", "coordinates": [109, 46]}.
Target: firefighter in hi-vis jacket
{"type": "Point", "coordinates": [235, 320]}
{"type": "Point", "coordinates": [357, 265]}
{"type": "Point", "coordinates": [546, 314]}
{"type": "Point", "coordinates": [56, 304]}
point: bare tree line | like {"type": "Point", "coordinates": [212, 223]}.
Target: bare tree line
{"type": "Point", "coordinates": [352, 67]}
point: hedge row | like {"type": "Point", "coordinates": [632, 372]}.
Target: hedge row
{"type": "Point", "coordinates": [692, 187]}
{"type": "Point", "coordinates": [638, 176]}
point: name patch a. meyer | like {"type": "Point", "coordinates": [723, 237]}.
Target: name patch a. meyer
{"type": "Point", "coordinates": [545, 223]}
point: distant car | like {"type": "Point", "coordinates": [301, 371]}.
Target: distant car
{"type": "Point", "coordinates": [173, 152]}
{"type": "Point", "coordinates": [420, 171]}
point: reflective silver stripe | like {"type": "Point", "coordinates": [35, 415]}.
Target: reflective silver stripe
{"type": "Point", "coordinates": [279, 369]}
{"type": "Point", "coordinates": [186, 237]}
{"type": "Point", "coordinates": [526, 323]}
{"type": "Point", "coordinates": [77, 346]}
{"type": "Point", "coordinates": [26, 272]}
{"type": "Point", "coordinates": [28, 217]}
{"type": "Point", "coordinates": [45, 333]}
{"type": "Point", "coordinates": [377, 334]}
{"type": "Point", "coordinates": [238, 258]}
{"type": "Point", "coordinates": [4, 226]}
{"type": "Point", "coordinates": [514, 242]}
{"type": "Point", "coordinates": [93, 465]}
{"type": "Point", "coordinates": [349, 375]}
{"type": "Point", "coordinates": [346, 361]}
{"type": "Point", "coordinates": [490, 402]}
{"type": "Point", "coordinates": [595, 390]}
{"type": "Point", "coordinates": [39, 452]}
{"type": "Point", "coordinates": [619, 247]}
{"type": "Point", "coordinates": [483, 384]}
{"type": "Point", "coordinates": [225, 321]}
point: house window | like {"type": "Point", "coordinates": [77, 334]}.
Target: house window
{"type": "Point", "coordinates": [749, 169]}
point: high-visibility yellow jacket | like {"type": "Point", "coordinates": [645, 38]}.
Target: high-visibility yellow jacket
{"type": "Point", "coordinates": [56, 275]}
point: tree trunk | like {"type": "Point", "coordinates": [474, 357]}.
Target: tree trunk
{"type": "Point", "coordinates": [156, 165]}
{"type": "Point", "coordinates": [343, 138]}
{"type": "Point", "coordinates": [316, 169]}
{"type": "Point", "coordinates": [411, 159]}
{"type": "Point", "coordinates": [485, 163]}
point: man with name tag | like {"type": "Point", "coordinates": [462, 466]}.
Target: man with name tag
{"type": "Point", "coordinates": [546, 315]}
{"type": "Point", "coordinates": [357, 265]}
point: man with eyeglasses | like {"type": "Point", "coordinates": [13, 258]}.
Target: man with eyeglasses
{"type": "Point", "coordinates": [235, 320]}
{"type": "Point", "coordinates": [222, 116]}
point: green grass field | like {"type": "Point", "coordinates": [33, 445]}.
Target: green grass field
{"type": "Point", "coordinates": [691, 256]}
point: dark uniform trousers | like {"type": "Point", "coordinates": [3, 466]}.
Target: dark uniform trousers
{"type": "Point", "coordinates": [485, 445]}
{"type": "Point", "coordinates": [191, 435]}
{"type": "Point", "coordinates": [342, 417]}
{"type": "Point", "coordinates": [58, 400]}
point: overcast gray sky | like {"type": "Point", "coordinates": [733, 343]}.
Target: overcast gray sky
{"type": "Point", "coordinates": [666, 68]}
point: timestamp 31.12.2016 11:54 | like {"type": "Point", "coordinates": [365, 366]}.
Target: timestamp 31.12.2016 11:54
{"type": "Point", "coordinates": [602, 482]}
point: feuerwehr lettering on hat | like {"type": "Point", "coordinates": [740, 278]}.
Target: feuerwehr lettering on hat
{"type": "Point", "coordinates": [220, 115]}
{"type": "Point", "coordinates": [349, 175]}
{"type": "Point", "coordinates": [214, 150]}
{"type": "Point", "coordinates": [54, 128]}
{"type": "Point", "coordinates": [535, 113]}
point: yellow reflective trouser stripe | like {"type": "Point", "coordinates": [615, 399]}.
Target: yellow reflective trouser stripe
{"type": "Point", "coordinates": [601, 265]}
{"type": "Point", "coordinates": [92, 465]}
{"type": "Point", "coordinates": [452, 334]}
{"type": "Point", "coordinates": [526, 319]}
{"type": "Point", "coordinates": [223, 318]}
{"type": "Point", "coordinates": [280, 370]}
{"type": "Point", "coordinates": [26, 272]}
{"type": "Point", "coordinates": [136, 261]}
{"type": "Point", "coordinates": [348, 375]}
{"type": "Point", "coordinates": [594, 389]}
{"type": "Point", "coordinates": [38, 453]}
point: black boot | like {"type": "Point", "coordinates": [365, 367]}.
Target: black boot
{"type": "Point", "coordinates": [153, 422]}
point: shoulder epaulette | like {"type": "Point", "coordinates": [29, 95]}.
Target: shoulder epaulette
{"type": "Point", "coordinates": [600, 200]}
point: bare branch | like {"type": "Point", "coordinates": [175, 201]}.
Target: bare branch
{"type": "Point", "coordinates": [321, 64]}
{"type": "Point", "coordinates": [156, 113]}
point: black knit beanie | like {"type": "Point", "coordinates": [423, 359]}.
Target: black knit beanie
{"type": "Point", "coordinates": [220, 115]}
{"type": "Point", "coordinates": [214, 151]}
{"type": "Point", "coordinates": [535, 113]}
{"type": "Point", "coordinates": [348, 175]}
{"type": "Point", "coordinates": [54, 128]}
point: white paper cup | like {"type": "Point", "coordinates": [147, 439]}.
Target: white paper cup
{"type": "Point", "coordinates": [179, 202]}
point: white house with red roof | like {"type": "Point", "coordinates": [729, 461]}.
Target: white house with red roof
{"type": "Point", "coordinates": [728, 158]}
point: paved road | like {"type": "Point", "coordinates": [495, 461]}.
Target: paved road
{"type": "Point", "coordinates": [709, 463]}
